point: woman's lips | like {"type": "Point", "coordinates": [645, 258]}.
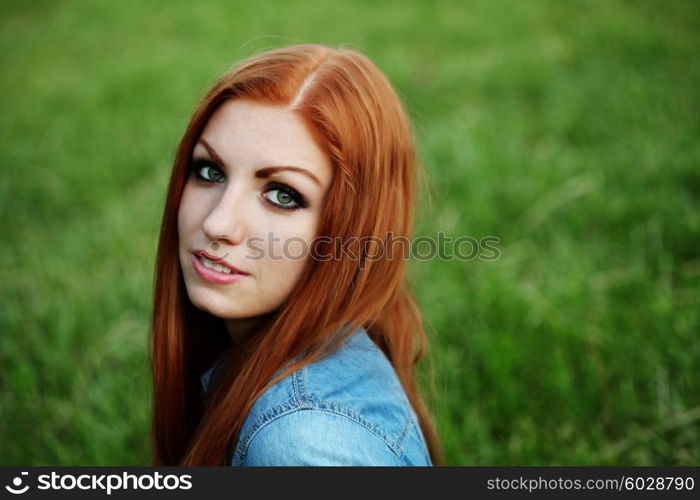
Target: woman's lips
{"type": "Point", "coordinates": [215, 276]}
{"type": "Point", "coordinates": [217, 260]}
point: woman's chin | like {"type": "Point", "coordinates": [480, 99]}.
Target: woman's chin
{"type": "Point", "coordinates": [215, 306]}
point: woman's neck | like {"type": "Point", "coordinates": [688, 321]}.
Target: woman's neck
{"type": "Point", "coordinates": [239, 330]}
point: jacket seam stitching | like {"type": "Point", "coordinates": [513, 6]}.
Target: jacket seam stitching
{"type": "Point", "coordinates": [260, 422]}
{"type": "Point", "coordinates": [244, 452]}
{"type": "Point", "coordinates": [355, 417]}
{"type": "Point", "coordinates": [402, 436]}
{"type": "Point", "coordinates": [301, 392]}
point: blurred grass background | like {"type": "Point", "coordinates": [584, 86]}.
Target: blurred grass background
{"type": "Point", "coordinates": [568, 130]}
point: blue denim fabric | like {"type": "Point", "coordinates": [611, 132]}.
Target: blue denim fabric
{"type": "Point", "coordinates": [347, 409]}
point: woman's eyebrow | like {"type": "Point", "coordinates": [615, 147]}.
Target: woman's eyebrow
{"type": "Point", "coordinates": [262, 173]}
{"type": "Point", "coordinates": [265, 172]}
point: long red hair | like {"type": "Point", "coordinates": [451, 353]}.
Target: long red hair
{"type": "Point", "coordinates": [356, 117]}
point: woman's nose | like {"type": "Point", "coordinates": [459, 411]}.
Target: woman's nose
{"type": "Point", "coordinates": [227, 222]}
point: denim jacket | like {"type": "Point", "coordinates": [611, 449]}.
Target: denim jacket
{"type": "Point", "coordinates": [346, 409]}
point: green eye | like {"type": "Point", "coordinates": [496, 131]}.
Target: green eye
{"type": "Point", "coordinates": [281, 197]}
{"type": "Point", "coordinates": [210, 174]}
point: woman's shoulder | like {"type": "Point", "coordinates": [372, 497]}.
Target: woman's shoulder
{"type": "Point", "coordinates": [347, 408]}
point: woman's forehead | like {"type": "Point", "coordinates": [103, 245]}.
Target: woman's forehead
{"type": "Point", "coordinates": [243, 132]}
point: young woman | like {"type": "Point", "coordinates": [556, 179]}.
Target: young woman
{"type": "Point", "coordinates": [284, 331]}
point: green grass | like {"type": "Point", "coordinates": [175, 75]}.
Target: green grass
{"type": "Point", "coordinates": [570, 132]}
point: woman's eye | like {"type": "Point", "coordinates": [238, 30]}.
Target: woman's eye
{"type": "Point", "coordinates": [211, 174]}
{"type": "Point", "coordinates": [284, 197]}
{"type": "Point", "coordinates": [208, 172]}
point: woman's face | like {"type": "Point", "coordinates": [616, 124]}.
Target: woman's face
{"type": "Point", "coordinates": [252, 201]}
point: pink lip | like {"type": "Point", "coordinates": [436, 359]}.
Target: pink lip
{"type": "Point", "coordinates": [215, 276]}
{"type": "Point", "coordinates": [218, 260]}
